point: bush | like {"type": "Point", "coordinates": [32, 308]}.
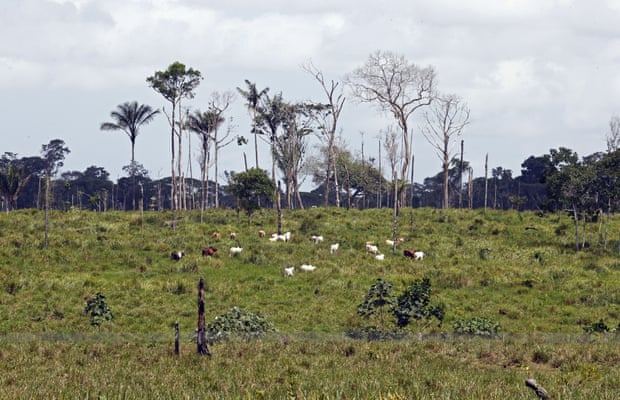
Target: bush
{"type": "Point", "coordinates": [596, 327]}
{"type": "Point", "coordinates": [238, 323]}
{"type": "Point", "coordinates": [476, 326]}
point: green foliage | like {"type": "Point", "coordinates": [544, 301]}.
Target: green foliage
{"type": "Point", "coordinates": [98, 310]}
{"type": "Point", "coordinates": [415, 303]}
{"type": "Point", "coordinates": [378, 301]}
{"type": "Point", "coordinates": [240, 323]}
{"type": "Point", "coordinates": [596, 327]}
{"type": "Point", "coordinates": [250, 187]}
{"type": "Point", "coordinates": [476, 326]}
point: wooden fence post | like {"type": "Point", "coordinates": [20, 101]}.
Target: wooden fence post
{"type": "Point", "coordinates": [176, 338]}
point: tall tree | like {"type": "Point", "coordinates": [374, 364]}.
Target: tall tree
{"type": "Point", "coordinates": [270, 119]}
{"type": "Point", "coordinates": [174, 84]}
{"type": "Point", "coordinates": [54, 154]}
{"type": "Point", "coordinates": [290, 149]}
{"type": "Point", "coordinates": [329, 123]}
{"type": "Point", "coordinates": [445, 120]}
{"type": "Point", "coordinates": [129, 117]}
{"type": "Point", "coordinates": [253, 97]}
{"type": "Point", "coordinates": [396, 86]}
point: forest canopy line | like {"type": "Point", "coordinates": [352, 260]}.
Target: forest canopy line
{"type": "Point", "coordinates": [341, 177]}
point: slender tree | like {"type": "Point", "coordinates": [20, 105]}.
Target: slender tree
{"type": "Point", "coordinates": [397, 86]}
{"type": "Point", "coordinates": [204, 124]}
{"type": "Point", "coordinates": [445, 120]}
{"type": "Point", "coordinates": [175, 84]}
{"type": "Point", "coordinates": [270, 120]}
{"type": "Point", "coordinates": [328, 124]}
{"type": "Point", "coordinates": [253, 97]}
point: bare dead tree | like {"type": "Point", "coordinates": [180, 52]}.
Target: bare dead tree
{"type": "Point", "coordinates": [391, 146]}
{"type": "Point", "coordinates": [396, 86]}
{"type": "Point", "coordinates": [613, 136]}
{"type": "Point", "coordinates": [329, 123]}
{"type": "Point", "coordinates": [445, 120]}
{"type": "Point", "coordinates": [486, 180]}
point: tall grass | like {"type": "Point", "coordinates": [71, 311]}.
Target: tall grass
{"type": "Point", "coordinates": [518, 269]}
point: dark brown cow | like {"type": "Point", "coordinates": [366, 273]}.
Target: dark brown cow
{"type": "Point", "coordinates": [209, 251]}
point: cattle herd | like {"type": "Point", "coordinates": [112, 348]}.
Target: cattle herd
{"type": "Point", "coordinates": [371, 248]}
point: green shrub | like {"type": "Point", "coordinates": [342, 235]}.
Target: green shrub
{"type": "Point", "coordinates": [240, 323]}
{"type": "Point", "coordinates": [596, 327]}
{"type": "Point", "coordinates": [476, 326]}
{"type": "Point", "coordinates": [98, 310]}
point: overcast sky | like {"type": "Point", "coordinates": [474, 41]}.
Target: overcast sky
{"type": "Point", "coordinates": [536, 74]}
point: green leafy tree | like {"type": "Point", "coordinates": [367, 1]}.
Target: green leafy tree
{"type": "Point", "coordinates": [54, 155]}
{"type": "Point", "coordinates": [175, 84]}
{"type": "Point", "coordinates": [250, 187]}
{"type": "Point", "coordinates": [98, 310]}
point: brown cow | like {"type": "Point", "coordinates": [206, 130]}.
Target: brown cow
{"type": "Point", "coordinates": [209, 251]}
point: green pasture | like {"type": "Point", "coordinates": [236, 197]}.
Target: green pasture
{"type": "Point", "coordinates": [519, 269]}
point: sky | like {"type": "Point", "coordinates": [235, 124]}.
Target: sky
{"type": "Point", "coordinates": [535, 74]}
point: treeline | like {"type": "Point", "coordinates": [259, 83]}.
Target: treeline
{"type": "Point", "coordinates": [559, 180]}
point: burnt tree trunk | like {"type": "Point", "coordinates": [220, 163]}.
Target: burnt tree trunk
{"type": "Point", "coordinates": [201, 340]}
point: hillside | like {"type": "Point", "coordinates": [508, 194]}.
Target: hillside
{"type": "Point", "coordinates": [518, 269]}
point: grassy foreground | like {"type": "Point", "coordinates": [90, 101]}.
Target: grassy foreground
{"type": "Point", "coordinates": [519, 269]}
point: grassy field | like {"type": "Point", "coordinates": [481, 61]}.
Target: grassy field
{"type": "Point", "coordinates": [517, 269]}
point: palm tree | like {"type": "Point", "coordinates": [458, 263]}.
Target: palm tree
{"type": "Point", "coordinates": [129, 117]}
{"type": "Point", "coordinates": [253, 96]}
{"type": "Point", "coordinates": [205, 124]}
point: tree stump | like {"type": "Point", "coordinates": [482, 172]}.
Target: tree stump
{"type": "Point", "coordinates": [540, 391]}
{"type": "Point", "coordinates": [201, 340]}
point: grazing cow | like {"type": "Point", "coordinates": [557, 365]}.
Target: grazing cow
{"type": "Point", "coordinates": [261, 233]}
{"type": "Point", "coordinates": [415, 254]}
{"type": "Point", "coordinates": [316, 239]}
{"type": "Point", "coordinates": [334, 248]}
{"type": "Point", "coordinates": [209, 251]}
{"type": "Point", "coordinates": [307, 267]}
{"type": "Point", "coordinates": [235, 250]}
{"type": "Point", "coordinates": [371, 248]}
{"type": "Point", "coordinates": [289, 271]}
{"type": "Point", "coordinates": [233, 236]}
{"type": "Point", "coordinates": [177, 255]}
{"type": "Point", "coordinates": [215, 235]}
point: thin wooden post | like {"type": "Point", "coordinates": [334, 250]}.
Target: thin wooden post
{"type": "Point", "coordinates": [176, 338]}
{"type": "Point", "coordinates": [201, 340]}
